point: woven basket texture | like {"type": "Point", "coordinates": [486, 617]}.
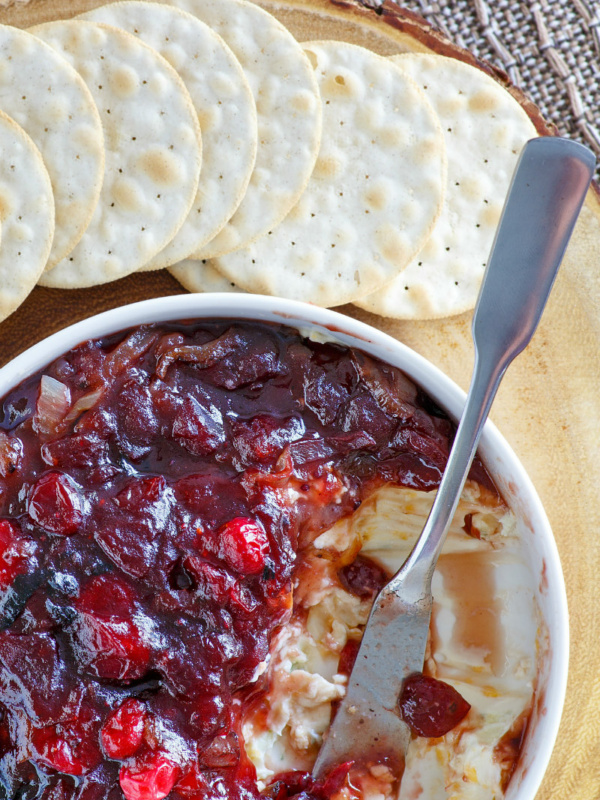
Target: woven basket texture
{"type": "Point", "coordinates": [549, 48]}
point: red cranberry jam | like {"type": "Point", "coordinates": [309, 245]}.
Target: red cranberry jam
{"type": "Point", "coordinates": [156, 491]}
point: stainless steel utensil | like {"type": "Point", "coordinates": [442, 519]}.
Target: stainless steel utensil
{"type": "Point", "coordinates": [544, 200]}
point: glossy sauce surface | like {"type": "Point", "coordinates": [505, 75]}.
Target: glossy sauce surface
{"type": "Point", "coordinates": [156, 491]}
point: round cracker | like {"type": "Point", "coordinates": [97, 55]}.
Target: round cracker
{"type": "Point", "coordinates": [26, 215]}
{"type": "Point", "coordinates": [223, 101]}
{"type": "Point", "coordinates": [375, 193]}
{"type": "Point", "coordinates": [153, 151]}
{"type": "Point", "coordinates": [201, 276]}
{"type": "Point", "coordinates": [485, 129]}
{"type": "Point", "coordinates": [289, 116]}
{"type": "Point", "coordinates": [50, 101]}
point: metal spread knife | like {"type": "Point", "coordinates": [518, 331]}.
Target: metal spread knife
{"type": "Point", "coordinates": [544, 200]}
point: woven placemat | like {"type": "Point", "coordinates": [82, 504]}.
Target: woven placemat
{"type": "Point", "coordinates": [550, 49]}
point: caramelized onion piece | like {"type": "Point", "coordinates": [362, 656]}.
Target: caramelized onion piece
{"type": "Point", "coordinates": [393, 392]}
{"type": "Point", "coordinates": [203, 355]}
{"type": "Point", "coordinates": [11, 451]}
{"type": "Point", "coordinates": [84, 403]}
{"type": "Point", "coordinates": [53, 403]}
{"type": "Point", "coordinates": [129, 351]}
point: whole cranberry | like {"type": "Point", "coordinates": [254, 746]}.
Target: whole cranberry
{"type": "Point", "coordinates": [243, 545]}
{"type": "Point", "coordinates": [57, 753]}
{"type": "Point", "coordinates": [430, 707]}
{"type": "Point", "coordinates": [14, 553]}
{"type": "Point", "coordinates": [70, 747]}
{"type": "Point", "coordinates": [55, 504]}
{"type": "Point", "coordinates": [123, 731]}
{"type": "Point", "coordinates": [107, 638]}
{"type": "Point", "coordinates": [150, 778]}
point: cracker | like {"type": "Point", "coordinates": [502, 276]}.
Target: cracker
{"type": "Point", "coordinates": [375, 193]}
{"type": "Point", "coordinates": [289, 116]}
{"type": "Point", "coordinates": [485, 129]}
{"type": "Point", "coordinates": [50, 101]}
{"type": "Point", "coordinates": [153, 151]}
{"type": "Point", "coordinates": [223, 101]}
{"type": "Point", "coordinates": [200, 276]}
{"type": "Point", "coordinates": [26, 215]}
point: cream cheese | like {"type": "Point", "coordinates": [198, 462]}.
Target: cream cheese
{"type": "Point", "coordinates": [483, 639]}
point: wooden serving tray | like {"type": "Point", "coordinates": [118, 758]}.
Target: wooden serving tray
{"type": "Point", "coordinates": [548, 407]}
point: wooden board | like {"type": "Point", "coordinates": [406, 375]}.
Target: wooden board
{"type": "Point", "coordinates": [548, 407]}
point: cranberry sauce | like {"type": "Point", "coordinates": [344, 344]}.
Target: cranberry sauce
{"type": "Point", "coordinates": [155, 490]}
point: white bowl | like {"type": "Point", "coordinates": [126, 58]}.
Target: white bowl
{"type": "Point", "coordinates": [503, 465]}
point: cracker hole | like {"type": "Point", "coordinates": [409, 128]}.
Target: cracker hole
{"type": "Point", "coordinates": [340, 80]}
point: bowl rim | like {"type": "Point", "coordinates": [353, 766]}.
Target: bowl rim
{"type": "Point", "coordinates": [334, 326]}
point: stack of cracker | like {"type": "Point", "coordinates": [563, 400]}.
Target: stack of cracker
{"type": "Point", "coordinates": [200, 136]}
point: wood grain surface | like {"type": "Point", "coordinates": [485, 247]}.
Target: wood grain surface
{"type": "Point", "coordinates": [548, 407]}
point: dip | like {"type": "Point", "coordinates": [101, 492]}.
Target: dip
{"type": "Point", "coordinates": [194, 519]}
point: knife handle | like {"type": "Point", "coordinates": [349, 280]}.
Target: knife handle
{"type": "Point", "coordinates": [544, 200]}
